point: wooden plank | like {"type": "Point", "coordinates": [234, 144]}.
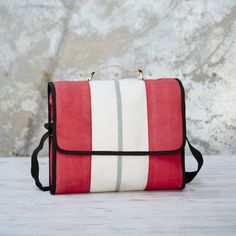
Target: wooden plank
{"type": "Point", "coordinates": [206, 207]}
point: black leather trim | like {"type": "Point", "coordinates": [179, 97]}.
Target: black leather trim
{"type": "Point", "coordinates": [184, 132]}
{"type": "Point", "coordinates": [123, 153]}
{"type": "Point", "coordinates": [52, 91]}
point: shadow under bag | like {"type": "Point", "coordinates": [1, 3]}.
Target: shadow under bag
{"type": "Point", "coordinates": [115, 135]}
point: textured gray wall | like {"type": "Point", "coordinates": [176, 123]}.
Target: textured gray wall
{"type": "Point", "coordinates": [56, 40]}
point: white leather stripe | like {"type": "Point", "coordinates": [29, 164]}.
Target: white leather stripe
{"type": "Point", "coordinates": [135, 134]}
{"type": "Point", "coordinates": [104, 135]}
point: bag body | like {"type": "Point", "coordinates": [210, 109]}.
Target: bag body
{"type": "Point", "coordinates": [116, 135]}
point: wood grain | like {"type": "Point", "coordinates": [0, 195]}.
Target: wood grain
{"type": "Point", "coordinates": [207, 206]}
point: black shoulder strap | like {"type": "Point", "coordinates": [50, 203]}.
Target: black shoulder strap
{"type": "Point", "coordinates": [189, 176]}
{"type": "Point", "coordinates": [35, 163]}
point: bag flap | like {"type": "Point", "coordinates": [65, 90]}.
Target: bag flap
{"type": "Point", "coordinates": [127, 115]}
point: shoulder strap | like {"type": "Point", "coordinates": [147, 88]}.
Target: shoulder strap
{"type": "Point", "coordinates": [198, 156]}
{"type": "Point", "coordinates": [35, 163]}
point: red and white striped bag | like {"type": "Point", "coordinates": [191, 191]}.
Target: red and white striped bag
{"type": "Point", "coordinates": [115, 135]}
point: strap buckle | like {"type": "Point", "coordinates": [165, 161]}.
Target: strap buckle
{"type": "Point", "coordinates": [49, 127]}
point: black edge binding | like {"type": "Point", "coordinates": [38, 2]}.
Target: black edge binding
{"type": "Point", "coordinates": [49, 140]}
{"type": "Point", "coordinates": [184, 131]}
{"type": "Point", "coordinates": [52, 91]}
{"type": "Point", "coordinates": [115, 153]}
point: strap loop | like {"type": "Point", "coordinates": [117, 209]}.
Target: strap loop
{"type": "Point", "coordinates": [49, 126]}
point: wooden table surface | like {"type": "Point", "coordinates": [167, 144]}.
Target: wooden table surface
{"type": "Point", "coordinates": [207, 206]}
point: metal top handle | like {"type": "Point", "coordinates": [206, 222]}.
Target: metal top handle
{"type": "Point", "coordinates": [122, 67]}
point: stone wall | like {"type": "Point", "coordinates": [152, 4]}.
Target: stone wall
{"type": "Point", "coordinates": [57, 40]}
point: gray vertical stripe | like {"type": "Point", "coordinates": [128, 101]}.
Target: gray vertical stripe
{"type": "Point", "coordinates": [120, 134]}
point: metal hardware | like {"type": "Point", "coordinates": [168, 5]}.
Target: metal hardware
{"type": "Point", "coordinates": [122, 67]}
